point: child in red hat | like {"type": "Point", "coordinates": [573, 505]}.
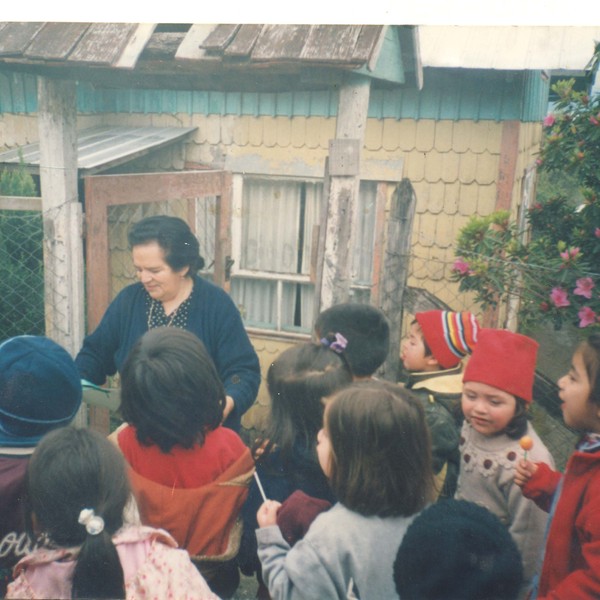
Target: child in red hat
{"type": "Point", "coordinates": [432, 354]}
{"type": "Point", "coordinates": [497, 392]}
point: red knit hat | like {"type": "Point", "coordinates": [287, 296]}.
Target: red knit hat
{"type": "Point", "coordinates": [504, 360]}
{"type": "Point", "coordinates": [449, 335]}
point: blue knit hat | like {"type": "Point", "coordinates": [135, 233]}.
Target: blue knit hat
{"type": "Point", "coordinates": [40, 389]}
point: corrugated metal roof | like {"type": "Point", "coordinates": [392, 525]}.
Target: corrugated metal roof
{"type": "Point", "coordinates": [508, 48]}
{"type": "Point", "coordinates": [101, 148]}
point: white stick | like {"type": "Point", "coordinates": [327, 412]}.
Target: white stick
{"type": "Point", "coordinates": [260, 487]}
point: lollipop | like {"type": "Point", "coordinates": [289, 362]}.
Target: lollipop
{"type": "Point", "coordinates": [526, 443]}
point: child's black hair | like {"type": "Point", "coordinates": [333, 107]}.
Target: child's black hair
{"type": "Point", "coordinates": [170, 390]}
{"type": "Point", "coordinates": [298, 382]}
{"type": "Point", "coordinates": [517, 426]}
{"type": "Point", "coordinates": [367, 330]}
{"type": "Point", "coordinates": [70, 470]}
{"type": "Point", "coordinates": [590, 352]}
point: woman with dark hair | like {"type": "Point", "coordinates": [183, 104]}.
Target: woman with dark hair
{"type": "Point", "coordinates": [166, 257]}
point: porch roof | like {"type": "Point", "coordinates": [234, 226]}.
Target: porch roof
{"type": "Point", "coordinates": [100, 148]}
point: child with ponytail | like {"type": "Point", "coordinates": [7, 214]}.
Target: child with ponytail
{"type": "Point", "coordinates": [77, 490]}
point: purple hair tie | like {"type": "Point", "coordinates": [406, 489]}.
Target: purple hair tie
{"type": "Point", "coordinates": [338, 345]}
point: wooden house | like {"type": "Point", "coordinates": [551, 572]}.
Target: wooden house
{"type": "Point", "coordinates": [298, 138]}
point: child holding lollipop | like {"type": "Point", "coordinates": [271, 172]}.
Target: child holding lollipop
{"type": "Point", "coordinates": [374, 448]}
{"type": "Point", "coordinates": [497, 392]}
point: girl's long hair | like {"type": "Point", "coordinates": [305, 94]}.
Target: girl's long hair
{"type": "Point", "coordinates": [70, 470]}
{"type": "Point", "coordinates": [298, 381]}
{"type": "Point", "coordinates": [380, 460]}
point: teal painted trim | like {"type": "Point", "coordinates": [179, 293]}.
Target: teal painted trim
{"type": "Point", "coordinates": [538, 91]}
{"type": "Point", "coordinates": [285, 105]}
{"type": "Point", "coordinates": [233, 103]}
{"type": "Point", "coordinates": [462, 94]}
{"type": "Point", "coordinates": [250, 104]}
{"type": "Point", "coordinates": [266, 104]}
{"type": "Point", "coordinates": [6, 103]}
{"type": "Point", "coordinates": [447, 94]}
{"type": "Point", "coordinates": [389, 65]}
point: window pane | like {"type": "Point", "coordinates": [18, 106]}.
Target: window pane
{"type": "Point", "coordinates": [362, 253]}
{"type": "Point", "coordinates": [270, 226]}
{"type": "Point", "coordinates": [256, 300]}
{"type": "Point", "coordinates": [312, 216]}
{"type": "Point", "coordinates": [297, 307]}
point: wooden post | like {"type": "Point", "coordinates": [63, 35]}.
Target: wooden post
{"type": "Point", "coordinates": [62, 215]}
{"type": "Point", "coordinates": [342, 184]}
{"type": "Point", "coordinates": [395, 271]}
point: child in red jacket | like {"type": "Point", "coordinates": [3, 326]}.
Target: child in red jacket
{"type": "Point", "coordinates": [571, 561]}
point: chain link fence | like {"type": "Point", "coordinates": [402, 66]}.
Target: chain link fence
{"type": "Point", "coordinates": [21, 273]}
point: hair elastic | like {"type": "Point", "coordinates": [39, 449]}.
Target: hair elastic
{"type": "Point", "coordinates": [94, 524]}
{"type": "Point", "coordinates": [338, 345]}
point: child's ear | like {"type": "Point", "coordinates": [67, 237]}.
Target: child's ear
{"type": "Point", "coordinates": [430, 361]}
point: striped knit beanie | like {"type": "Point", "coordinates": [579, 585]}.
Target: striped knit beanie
{"type": "Point", "coordinates": [449, 335]}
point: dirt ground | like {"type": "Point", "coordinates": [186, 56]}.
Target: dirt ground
{"type": "Point", "coordinates": [247, 589]}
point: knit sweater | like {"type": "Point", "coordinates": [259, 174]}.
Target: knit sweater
{"type": "Point", "coordinates": [571, 567]}
{"type": "Point", "coordinates": [212, 316]}
{"type": "Point", "coordinates": [342, 552]}
{"type": "Point", "coordinates": [487, 478]}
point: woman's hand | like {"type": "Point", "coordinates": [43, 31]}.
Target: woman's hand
{"type": "Point", "coordinates": [229, 406]}
{"type": "Point", "coordinates": [524, 472]}
{"type": "Point", "coordinates": [267, 513]}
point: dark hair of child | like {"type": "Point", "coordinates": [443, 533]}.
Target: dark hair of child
{"type": "Point", "coordinates": [517, 426]}
{"type": "Point", "coordinates": [170, 390]}
{"type": "Point", "coordinates": [590, 353]}
{"type": "Point", "coordinates": [298, 381]}
{"type": "Point", "coordinates": [367, 330]}
{"type": "Point", "coordinates": [380, 449]}
{"type": "Point", "coordinates": [70, 470]}
{"type": "Point", "coordinates": [174, 236]}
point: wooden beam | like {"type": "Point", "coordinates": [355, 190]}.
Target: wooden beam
{"type": "Point", "coordinates": [509, 151]}
{"type": "Point", "coordinates": [343, 178]}
{"type": "Point", "coordinates": [62, 216]}
{"type": "Point", "coordinates": [395, 271]}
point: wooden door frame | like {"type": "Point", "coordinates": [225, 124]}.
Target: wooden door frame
{"type": "Point", "coordinates": [103, 191]}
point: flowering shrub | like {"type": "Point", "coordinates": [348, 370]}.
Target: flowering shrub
{"type": "Point", "coordinates": [556, 275]}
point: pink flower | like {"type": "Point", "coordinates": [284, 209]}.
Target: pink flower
{"type": "Point", "coordinates": [586, 316]}
{"type": "Point", "coordinates": [559, 297]}
{"type": "Point", "coordinates": [584, 287]}
{"type": "Point", "coordinates": [569, 254]}
{"type": "Point", "coordinates": [549, 121]}
{"type": "Point", "coordinates": [597, 232]}
{"type": "Point", "coordinates": [594, 121]}
{"type": "Point", "coordinates": [461, 266]}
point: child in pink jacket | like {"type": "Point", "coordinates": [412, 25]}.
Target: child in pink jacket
{"type": "Point", "coordinates": [77, 492]}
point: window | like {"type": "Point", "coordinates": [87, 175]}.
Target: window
{"type": "Point", "coordinates": [273, 237]}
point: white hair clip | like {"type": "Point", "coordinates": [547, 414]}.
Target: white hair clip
{"type": "Point", "coordinates": [93, 523]}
